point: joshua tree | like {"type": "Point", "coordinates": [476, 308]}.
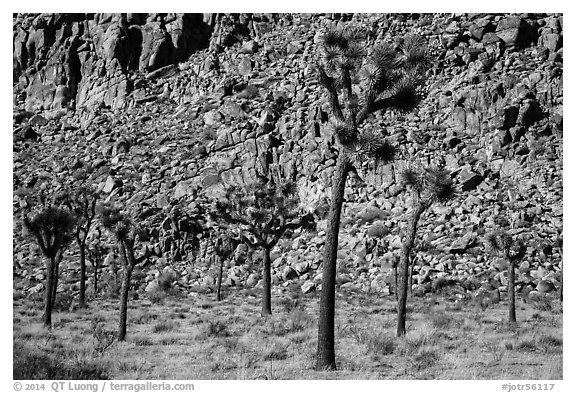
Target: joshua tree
{"type": "Point", "coordinates": [224, 246]}
{"type": "Point", "coordinates": [501, 242]}
{"type": "Point", "coordinates": [96, 255]}
{"type": "Point", "coordinates": [360, 79]}
{"type": "Point", "coordinates": [53, 229]}
{"type": "Point", "coordinates": [263, 212]}
{"type": "Point", "coordinates": [81, 202]}
{"type": "Point", "coordinates": [126, 233]}
{"type": "Point", "coordinates": [428, 185]}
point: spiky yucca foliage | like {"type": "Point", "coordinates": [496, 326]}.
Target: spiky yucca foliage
{"type": "Point", "coordinates": [428, 185]}
{"type": "Point", "coordinates": [52, 228]}
{"type": "Point", "coordinates": [499, 242]}
{"type": "Point", "coordinates": [414, 53]}
{"type": "Point", "coordinates": [360, 78]}
{"type": "Point", "coordinates": [263, 212]}
{"type": "Point", "coordinates": [387, 78]}
{"type": "Point", "coordinates": [126, 233]}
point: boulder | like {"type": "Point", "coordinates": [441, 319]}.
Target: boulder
{"type": "Point", "coordinates": [461, 244]}
{"type": "Point", "coordinates": [516, 32]}
{"type": "Point", "coordinates": [245, 66]}
{"type": "Point", "coordinates": [111, 184]}
{"type": "Point", "coordinates": [289, 273]}
{"type": "Point", "coordinates": [545, 286]}
{"type": "Point", "coordinates": [469, 179]}
{"type": "Point", "coordinates": [308, 287]}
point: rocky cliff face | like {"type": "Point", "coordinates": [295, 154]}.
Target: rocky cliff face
{"type": "Point", "coordinates": [81, 60]}
{"type": "Point", "coordinates": [163, 107]}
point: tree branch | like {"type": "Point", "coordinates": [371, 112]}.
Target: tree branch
{"type": "Point", "coordinates": [328, 83]}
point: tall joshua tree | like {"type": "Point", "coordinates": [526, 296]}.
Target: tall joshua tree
{"type": "Point", "coordinates": [264, 212]}
{"type": "Point", "coordinates": [53, 229]}
{"type": "Point", "coordinates": [501, 242]}
{"type": "Point", "coordinates": [360, 79]}
{"type": "Point", "coordinates": [126, 233]}
{"type": "Point", "coordinates": [81, 202]}
{"type": "Point", "coordinates": [428, 185]}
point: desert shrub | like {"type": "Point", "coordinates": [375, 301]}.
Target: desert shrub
{"type": "Point", "coordinates": [178, 315]}
{"type": "Point", "coordinates": [300, 338]}
{"type": "Point", "coordinates": [495, 350]}
{"type": "Point", "coordinates": [217, 328]}
{"type": "Point", "coordinates": [276, 352]}
{"type": "Point", "coordinates": [157, 297]}
{"type": "Point", "coordinates": [102, 337]}
{"type": "Point", "coordinates": [31, 365]}
{"type": "Point", "coordinates": [527, 344]}
{"type": "Point", "coordinates": [297, 320]}
{"type": "Point", "coordinates": [164, 326]}
{"type": "Point", "coordinates": [64, 302]}
{"type": "Point", "coordinates": [169, 341]}
{"type": "Point", "coordinates": [206, 306]}
{"type": "Point", "coordinates": [425, 358]}
{"type": "Point", "coordinates": [110, 284]}
{"type": "Point", "coordinates": [375, 340]}
{"type": "Point", "coordinates": [145, 318]}
{"type": "Point", "coordinates": [381, 344]}
{"type": "Point", "coordinates": [543, 303]}
{"type": "Point", "coordinates": [441, 320]}
{"type": "Point", "coordinates": [411, 346]}
{"type": "Point", "coordinates": [274, 328]}
{"type": "Point", "coordinates": [230, 343]}
{"type": "Point", "coordinates": [142, 341]}
{"type": "Point", "coordinates": [550, 343]}
{"type": "Point", "coordinates": [536, 316]}
{"type": "Point", "coordinates": [289, 303]}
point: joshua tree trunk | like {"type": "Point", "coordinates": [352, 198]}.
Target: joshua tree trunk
{"type": "Point", "coordinates": [55, 275]}
{"type": "Point", "coordinates": [511, 294]}
{"type": "Point", "coordinates": [325, 356]}
{"type": "Point", "coordinates": [396, 281]}
{"type": "Point", "coordinates": [48, 293]}
{"type": "Point", "coordinates": [219, 283]}
{"type": "Point", "coordinates": [267, 296]}
{"type": "Point", "coordinates": [561, 275]}
{"type": "Point", "coordinates": [404, 267]}
{"type": "Point", "coordinates": [95, 280]}
{"type": "Point", "coordinates": [410, 271]}
{"type": "Point", "coordinates": [124, 302]}
{"type": "Point", "coordinates": [82, 297]}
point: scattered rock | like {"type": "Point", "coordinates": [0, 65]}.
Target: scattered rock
{"type": "Point", "coordinates": [545, 286]}
{"type": "Point", "coordinates": [289, 273]}
{"type": "Point", "coordinates": [308, 287]}
{"type": "Point", "coordinates": [469, 179]}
